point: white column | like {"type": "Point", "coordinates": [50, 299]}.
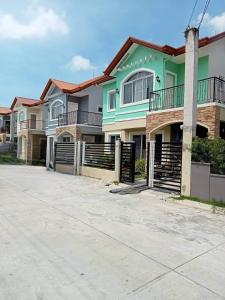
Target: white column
{"type": "Point", "coordinates": [151, 159]}
{"type": "Point", "coordinates": [78, 157]}
{"type": "Point", "coordinates": [190, 105]}
{"type": "Point", "coordinates": [117, 159]}
{"type": "Point", "coordinates": [75, 158]}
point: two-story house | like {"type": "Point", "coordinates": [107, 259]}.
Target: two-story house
{"type": "Point", "coordinates": [28, 129]}
{"type": "Point", "coordinates": [73, 112]}
{"type": "Point", "coordinates": [4, 124]}
{"type": "Point", "coordinates": [145, 97]}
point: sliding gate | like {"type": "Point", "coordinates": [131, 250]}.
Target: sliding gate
{"type": "Point", "coordinates": [167, 166]}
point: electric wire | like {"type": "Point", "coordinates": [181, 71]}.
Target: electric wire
{"type": "Point", "coordinates": [204, 12]}
{"type": "Point", "coordinates": [192, 13]}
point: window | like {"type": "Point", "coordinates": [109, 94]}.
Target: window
{"type": "Point", "coordinates": [56, 109]}
{"type": "Point", "coordinates": [21, 116]}
{"type": "Point", "coordinates": [138, 87]}
{"type": "Point", "coordinates": [114, 138]}
{"type": "Point", "coordinates": [112, 100]}
{"type": "Point", "coordinates": [66, 139]}
{"type": "Point", "coordinates": [99, 109]}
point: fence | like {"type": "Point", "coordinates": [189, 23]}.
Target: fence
{"type": "Point", "coordinates": [100, 155]}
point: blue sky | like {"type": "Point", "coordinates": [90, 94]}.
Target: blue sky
{"type": "Point", "coordinates": [72, 39]}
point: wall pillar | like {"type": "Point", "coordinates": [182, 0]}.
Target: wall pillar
{"type": "Point", "coordinates": [117, 160]}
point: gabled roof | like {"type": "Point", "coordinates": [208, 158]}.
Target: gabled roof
{"type": "Point", "coordinates": [70, 88]}
{"type": "Point", "coordinates": [23, 101]}
{"type": "Point", "coordinates": [167, 49]}
{"type": "Point", "coordinates": [65, 87]}
{"type": "Point", "coordinates": [5, 110]}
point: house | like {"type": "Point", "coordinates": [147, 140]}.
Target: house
{"type": "Point", "coordinates": [73, 112]}
{"type": "Point", "coordinates": [4, 124]}
{"type": "Point", "coordinates": [144, 97]}
{"type": "Point", "coordinates": [28, 129]}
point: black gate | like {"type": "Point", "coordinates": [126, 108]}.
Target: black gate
{"type": "Point", "coordinates": [127, 162]}
{"type": "Point", "coordinates": [167, 166]}
{"type": "Point", "coordinates": [64, 153]}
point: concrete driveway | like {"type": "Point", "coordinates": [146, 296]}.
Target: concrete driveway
{"type": "Point", "coordinates": [66, 237]}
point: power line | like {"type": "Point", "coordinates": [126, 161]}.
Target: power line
{"type": "Point", "coordinates": [204, 12]}
{"type": "Point", "coordinates": [192, 13]}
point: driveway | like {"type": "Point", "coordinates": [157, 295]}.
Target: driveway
{"type": "Point", "coordinates": [66, 237]}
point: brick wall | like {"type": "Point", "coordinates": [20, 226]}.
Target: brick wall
{"type": "Point", "coordinates": [208, 116]}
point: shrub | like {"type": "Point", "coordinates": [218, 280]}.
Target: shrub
{"type": "Point", "coordinates": [140, 166]}
{"type": "Point", "coordinates": [210, 151]}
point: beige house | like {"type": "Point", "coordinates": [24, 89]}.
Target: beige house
{"type": "Point", "coordinates": [29, 129]}
{"type": "Point", "coordinates": [4, 124]}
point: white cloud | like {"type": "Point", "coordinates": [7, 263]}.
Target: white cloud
{"type": "Point", "coordinates": [215, 24]}
{"type": "Point", "coordinates": [44, 21]}
{"type": "Point", "coordinates": [80, 63]}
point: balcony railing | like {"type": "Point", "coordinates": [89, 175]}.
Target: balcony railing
{"type": "Point", "coordinates": [80, 117]}
{"type": "Point", "coordinates": [208, 90]}
{"type": "Point", "coordinates": [32, 124]}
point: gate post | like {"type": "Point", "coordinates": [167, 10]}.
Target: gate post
{"type": "Point", "coordinates": [117, 159]}
{"type": "Point", "coordinates": [83, 154]}
{"type": "Point", "coordinates": [78, 157]}
{"type": "Point", "coordinates": [151, 160]}
{"type": "Point", "coordinates": [75, 158]}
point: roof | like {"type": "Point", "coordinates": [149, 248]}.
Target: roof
{"type": "Point", "coordinates": [23, 101]}
{"type": "Point", "coordinates": [70, 88]}
{"type": "Point", "coordinates": [5, 110]}
{"type": "Point", "coordinates": [167, 49]}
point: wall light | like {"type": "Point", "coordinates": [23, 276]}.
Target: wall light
{"type": "Point", "coordinates": [158, 79]}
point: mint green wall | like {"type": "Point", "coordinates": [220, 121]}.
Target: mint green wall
{"type": "Point", "coordinates": [159, 64]}
{"type": "Point", "coordinates": [203, 63]}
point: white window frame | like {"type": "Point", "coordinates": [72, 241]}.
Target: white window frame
{"type": "Point", "coordinates": [22, 111]}
{"type": "Point", "coordinates": [66, 136]}
{"type": "Point", "coordinates": [108, 100]}
{"type": "Point", "coordinates": [124, 82]}
{"type": "Point", "coordinates": [51, 105]}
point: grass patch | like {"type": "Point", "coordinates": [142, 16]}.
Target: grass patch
{"type": "Point", "coordinates": [10, 159]}
{"type": "Point", "coordinates": [217, 203]}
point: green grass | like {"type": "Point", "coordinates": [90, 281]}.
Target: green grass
{"type": "Point", "coordinates": [10, 159]}
{"type": "Point", "coordinates": [196, 199]}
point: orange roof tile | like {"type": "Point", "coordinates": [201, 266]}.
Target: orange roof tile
{"type": "Point", "coordinates": [23, 101]}
{"type": "Point", "coordinates": [5, 110]}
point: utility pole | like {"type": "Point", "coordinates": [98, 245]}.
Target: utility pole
{"type": "Point", "coordinates": [190, 105]}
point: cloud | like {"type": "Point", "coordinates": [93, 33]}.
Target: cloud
{"type": "Point", "coordinates": [80, 63]}
{"type": "Point", "coordinates": [44, 21]}
{"type": "Point", "coordinates": [214, 24]}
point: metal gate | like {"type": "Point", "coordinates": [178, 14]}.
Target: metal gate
{"type": "Point", "coordinates": [167, 166]}
{"type": "Point", "coordinates": [64, 153]}
{"type": "Point", "coordinates": [127, 162]}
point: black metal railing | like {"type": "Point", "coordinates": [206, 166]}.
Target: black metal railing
{"type": "Point", "coordinates": [100, 155]}
{"type": "Point", "coordinates": [32, 124]}
{"type": "Point", "coordinates": [80, 117]}
{"type": "Point", "coordinates": [208, 90]}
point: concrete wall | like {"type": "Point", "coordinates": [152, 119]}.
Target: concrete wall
{"type": "Point", "coordinates": [63, 168]}
{"type": "Point", "coordinates": [105, 175]}
{"type": "Point", "coordinates": [206, 186]}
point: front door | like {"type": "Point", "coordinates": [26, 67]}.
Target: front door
{"type": "Point", "coordinates": [33, 119]}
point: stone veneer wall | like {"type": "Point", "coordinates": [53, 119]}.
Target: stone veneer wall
{"type": "Point", "coordinates": [208, 116]}
{"type": "Point", "coordinates": [73, 130]}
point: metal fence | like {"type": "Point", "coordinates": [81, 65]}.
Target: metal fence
{"type": "Point", "coordinates": [64, 153]}
{"type": "Point", "coordinates": [100, 155]}
{"type": "Point", "coordinates": [80, 117]}
{"type": "Point", "coordinates": [127, 162]}
{"type": "Point", "coordinates": [208, 90]}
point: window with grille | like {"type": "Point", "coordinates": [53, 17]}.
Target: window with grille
{"type": "Point", "coordinates": [138, 87]}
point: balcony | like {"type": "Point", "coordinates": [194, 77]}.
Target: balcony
{"type": "Point", "coordinates": [32, 124]}
{"type": "Point", "coordinates": [208, 90]}
{"type": "Point", "coordinates": [80, 117]}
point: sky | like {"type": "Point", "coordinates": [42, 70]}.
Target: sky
{"type": "Point", "coordinates": [72, 40]}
